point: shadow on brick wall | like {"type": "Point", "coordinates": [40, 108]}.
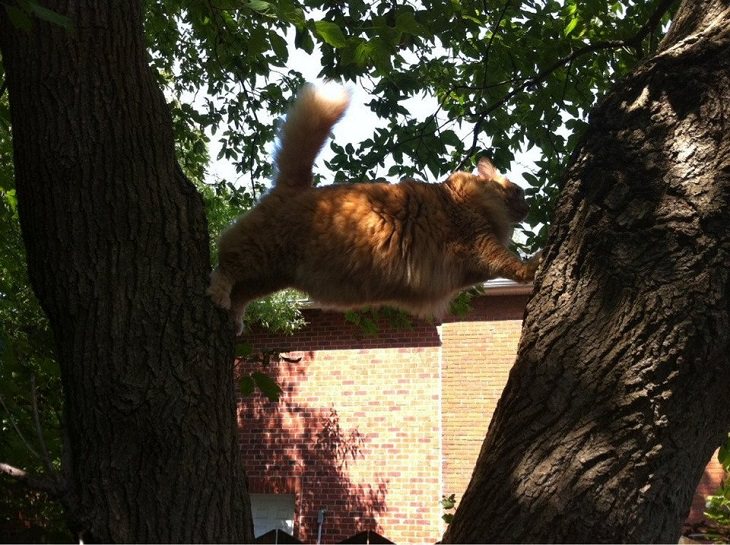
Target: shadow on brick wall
{"type": "Point", "coordinates": [289, 447]}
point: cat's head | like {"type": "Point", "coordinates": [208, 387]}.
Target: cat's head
{"type": "Point", "coordinates": [488, 181]}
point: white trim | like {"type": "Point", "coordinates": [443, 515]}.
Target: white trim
{"type": "Point", "coordinates": [502, 286]}
{"type": "Point", "coordinates": [497, 286]}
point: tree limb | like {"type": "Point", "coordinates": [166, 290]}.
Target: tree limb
{"type": "Point", "coordinates": [651, 23]}
{"type": "Point", "coordinates": [39, 432]}
{"type": "Point", "coordinates": [17, 430]}
{"type": "Point", "coordinates": [52, 483]}
{"type": "Point", "coordinates": [50, 486]}
{"type": "Point", "coordinates": [478, 125]}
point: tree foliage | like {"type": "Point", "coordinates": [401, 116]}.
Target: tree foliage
{"type": "Point", "coordinates": [30, 385]}
{"type": "Point", "coordinates": [510, 76]}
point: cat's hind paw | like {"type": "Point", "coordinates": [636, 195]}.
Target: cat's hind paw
{"type": "Point", "coordinates": [220, 289]}
{"type": "Point", "coordinates": [237, 315]}
{"type": "Point", "coordinates": [239, 328]}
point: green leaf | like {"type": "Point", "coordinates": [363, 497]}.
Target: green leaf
{"type": "Point", "coordinates": [382, 55]}
{"type": "Point", "coordinates": [449, 138]}
{"type": "Point", "coordinates": [531, 179]}
{"type": "Point", "coordinates": [363, 53]}
{"type": "Point", "coordinates": [570, 27]}
{"type": "Point", "coordinates": [4, 117]}
{"type": "Point", "coordinates": [448, 502]}
{"type": "Point", "coordinates": [723, 455]}
{"type": "Point", "coordinates": [278, 44]}
{"type": "Point", "coordinates": [267, 386]}
{"type": "Point", "coordinates": [50, 16]}
{"type": "Point", "coordinates": [259, 5]}
{"type": "Point", "coordinates": [258, 42]}
{"type": "Point", "coordinates": [303, 40]}
{"type": "Point", "coordinates": [7, 354]}
{"type": "Point", "coordinates": [19, 18]}
{"type": "Point", "coordinates": [406, 22]}
{"type": "Point", "coordinates": [246, 385]}
{"type": "Point", "coordinates": [330, 33]}
{"type": "Point", "coordinates": [243, 349]}
{"type": "Point", "coordinates": [359, 318]}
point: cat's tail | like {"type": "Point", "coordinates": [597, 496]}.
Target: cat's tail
{"type": "Point", "coordinates": [306, 129]}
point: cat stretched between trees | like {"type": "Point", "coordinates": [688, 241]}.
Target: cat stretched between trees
{"type": "Point", "coordinates": [410, 245]}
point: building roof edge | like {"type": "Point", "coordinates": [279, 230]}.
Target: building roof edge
{"type": "Point", "coordinates": [495, 287]}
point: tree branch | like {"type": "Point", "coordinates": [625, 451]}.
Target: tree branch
{"type": "Point", "coordinates": [539, 78]}
{"type": "Point", "coordinates": [51, 483]}
{"type": "Point", "coordinates": [50, 486]}
{"type": "Point", "coordinates": [12, 471]}
{"type": "Point", "coordinates": [651, 23]}
{"type": "Point", "coordinates": [478, 125]}
{"type": "Point", "coordinates": [38, 430]}
{"type": "Point", "coordinates": [17, 430]}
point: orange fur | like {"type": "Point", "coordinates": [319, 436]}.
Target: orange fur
{"type": "Point", "coordinates": [307, 128]}
{"type": "Point", "coordinates": [410, 245]}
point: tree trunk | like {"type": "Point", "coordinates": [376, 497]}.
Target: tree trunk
{"type": "Point", "coordinates": [619, 394]}
{"type": "Point", "coordinates": [117, 249]}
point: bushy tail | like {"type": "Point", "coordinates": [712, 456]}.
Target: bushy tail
{"type": "Point", "coordinates": [306, 129]}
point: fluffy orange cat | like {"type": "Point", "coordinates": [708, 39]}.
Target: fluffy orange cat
{"type": "Point", "coordinates": [411, 245]}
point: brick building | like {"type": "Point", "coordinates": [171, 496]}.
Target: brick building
{"type": "Point", "coordinates": [371, 431]}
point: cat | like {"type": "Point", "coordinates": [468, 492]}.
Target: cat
{"type": "Point", "coordinates": [411, 245]}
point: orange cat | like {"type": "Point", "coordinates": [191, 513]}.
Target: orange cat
{"type": "Point", "coordinates": [410, 245]}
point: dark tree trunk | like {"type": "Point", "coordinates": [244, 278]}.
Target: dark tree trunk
{"type": "Point", "coordinates": [118, 255]}
{"type": "Point", "coordinates": [620, 391]}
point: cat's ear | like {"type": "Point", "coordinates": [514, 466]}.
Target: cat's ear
{"type": "Point", "coordinates": [487, 170]}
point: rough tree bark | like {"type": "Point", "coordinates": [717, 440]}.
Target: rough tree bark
{"type": "Point", "coordinates": [118, 255]}
{"type": "Point", "coordinates": [620, 390]}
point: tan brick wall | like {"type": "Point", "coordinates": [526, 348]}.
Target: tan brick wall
{"type": "Point", "coordinates": [477, 358]}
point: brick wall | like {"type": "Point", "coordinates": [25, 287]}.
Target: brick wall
{"type": "Point", "coordinates": [356, 431]}
{"type": "Point", "coordinates": [478, 353]}
{"type": "Point", "coordinates": [359, 429]}
{"type": "Point", "coordinates": [711, 479]}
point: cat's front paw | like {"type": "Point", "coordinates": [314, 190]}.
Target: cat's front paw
{"type": "Point", "coordinates": [532, 265]}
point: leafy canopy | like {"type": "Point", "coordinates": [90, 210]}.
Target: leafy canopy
{"type": "Point", "coordinates": [504, 76]}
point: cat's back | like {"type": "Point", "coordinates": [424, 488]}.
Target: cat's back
{"type": "Point", "coordinates": [386, 234]}
{"type": "Point", "coordinates": [378, 209]}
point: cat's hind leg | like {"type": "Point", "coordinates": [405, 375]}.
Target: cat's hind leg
{"type": "Point", "coordinates": [220, 288]}
{"type": "Point", "coordinates": [246, 291]}
{"type": "Point", "coordinates": [240, 297]}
